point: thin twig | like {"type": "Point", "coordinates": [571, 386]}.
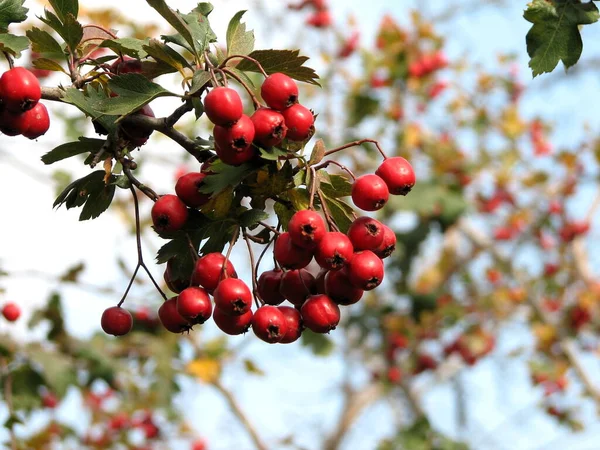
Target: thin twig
{"type": "Point", "coordinates": [356, 143]}
{"type": "Point", "coordinates": [232, 242]}
{"type": "Point", "coordinates": [330, 221]}
{"type": "Point", "coordinates": [252, 60]}
{"type": "Point", "coordinates": [142, 187]}
{"type": "Point", "coordinates": [255, 101]}
{"type": "Point", "coordinates": [257, 299]}
{"type": "Point", "coordinates": [269, 227]}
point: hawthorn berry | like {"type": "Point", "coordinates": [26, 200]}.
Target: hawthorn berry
{"type": "Point", "coordinates": [306, 228]}
{"type": "Point", "coordinates": [138, 136]}
{"type": "Point", "coordinates": [369, 192]}
{"type": "Point", "coordinates": [299, 121]}
{"type": "Point", "coordinates": [366, 233]}
{"type": "Point", "coordinates": [19, 89]}
{"type": "Point", "coordinates": [334, 251]}
{"type": "Point", "coordinates": [268, 286]}
{"type": "Point", "coordinates": [12, 124]}
{"type": "Point", "coordinates": [320, 314]}
{"type": "Point", "coordinates": [116, 321]}
{"type": "Point", "coordinates": [296, 285]}
{"type": "Point", "coordinates": [199, 444]}
{"type": "Point", "coordinates": [208, 271]}
{"type": "Point", "coordinates": [169, 214]}
{"type": "Point", "coordinates": [339, 288]}
{"type": "Point", "coordinates": [125, 65]}
{"type": "Point", "coordinates": [11, 311]}
{"type": "Point", "coordinates": [37, 121]}
{"type": "Point", "coordinates": [194, 305]}
{"type": "Point", "coordinates": [232, 325]}
{"type": "Point", "coordinates": [320, 19]}
{"type": "Point", "coordinates": [223, 106]}
{"type": "Point", "coordinates": [289, 255]}
{"type": "Point", "coordinates": [279, 91]}
{"type": "Point", "coordinates": [320, 281]}
{"type": "Point", "coordinates": [233, 144]}
{"type": "Point", "coordinates": [269, 127]}
{"type": "Point", "coordinates": [233, 297]}
{"type": "Point", "coordinates": [174, 284]}
{"type": "Point", "coordinates": [170, 317]}
{"type": "Point", "coordinates": [365, 270]}
{"type": "Point", "coordinates": [49, 400]}
{"type": "Point", "coordinates": [388, 244]}
{"type": "Point", "coordinates": [398, 175]}
{"type": "Point", "coordinates": [293, 321]}
{"type": "Point", "coordinates": [187, 187]}
{"type": "Point", "coordinates": [269, 324]}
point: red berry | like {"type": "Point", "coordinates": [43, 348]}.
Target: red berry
{"type": "Point", "coordinates": [334, 251]}
{"type": "Point", "coordinates": [289, 255]}
{"type": "Point", "coordinates": [233, 297]}
{"type": "Point", "coordinates": [279, 91]}
{"type": "Point", "coordinates": [169, 214]}
{"type": "Point", "coordinates": [269, 283]}
{"type": "Point", "coordinates": [208, 271]}
{"type": "Point", "coordinates": [269, 324]}
{"type": "Point", "coordinates": [126, 65]}
{"type": "Point", "coordinates": [193, 304]}
{"type": "Point", "coordinates": [299, 121]}
{"type": "Point", "coordinates": [339, 288]}
{"type": "Point", "coordinates": [223, 106]}
{"type": "Point", "coordinates": [388, 244]}
{"type": "Point", "coordinates": [187, 187]}
{"type": "Point", "coordinates": [116, 321]}
{"type": "Point", "coordinates": [232, 325]}
{"type": "Point", "coordinates": [138, 136]}
{"type": "Point", "coordinates": [269, 127]}
{"type": "Point", "coordinates": [36, 122]}
{"type": "Point", "coordinates": [365, 270]}
{"type": "Point", "coordinates": [49, 400]}
{"type": "Point", "coordinates": [296, 285]}
{"type": "Point", "coordinates": [398, 175]}
{"type": "Point", "coordinates": [293, 321]}
{"type": "Point", "coordinates": [394, 375]}
{"type": "Point", "coordinates": [19, 89]}
{"type": "Point", "coordinates": [175, 285]}
{"type": "Point", "coordinates": [320, 314]}
{"type": "Point", "coordinates": [320, 281]}
{"type": "Point", "coordinates": [199, 444]}
{"type": "Point", "coordinates": [320, 19]}
{"type": "Point", "coordinates": [233, 144]}
{"type": "Point", "coordinates": [170, 317]}
{"type": "Point", "coordinates": [12, 124]}
{"type": "Point", "coordinates": [306, 228]}
{"type": "Point", "coordinates": [369, 192]}
{"type": "Point", "coordinates": [366, 233]}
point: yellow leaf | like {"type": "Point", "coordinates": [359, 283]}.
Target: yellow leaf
{"type": "Point", "coordinates": [412, 135]}
{"type": "Point", "coordinates": [511, 124]}
{"type": "Point", "coordinates": [208, 370]}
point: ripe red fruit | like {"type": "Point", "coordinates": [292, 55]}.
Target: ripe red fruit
{"type": "Point", "coordinates": [208, 271]}
{"type": "Point", "coordinates": [320, 19]}
{"type": "Point", "coordinates": [232, 324]}
{"type": "Point", "coordinates": [334, 251]}
{"type": "Point", "coordinates": [170, 317]}
{"type": "Point", "coordinates": [193, 304]}
{"type": "Point", "coordinates": [365, 270]}
{"type": "Point", "coordinates": [293, 321]}
{"type": "Point", "coordinates": [187, 187]}
{"type": "Point", "coordinates": [320, 281]}
{"type": "Point", "coordinates": [339, 288]}
{"type": "Point", "coordinates": [269, 283]}
{"type": "Point", "coordinates": [320, 314]}
{"type": "Point", "coordinates": [175, 285]}
{"type": "Point", "coordinates": [12, 124]}
{"type": "Point", "coordinates": [234, 143]}
{"type": "Point", "coordinates": [269, 127]}
{"type": "Point", "coordinates": [11, 311]}
{"type": "Point", "coordinates": [388, 244]}
{"type": "Point", "coordinates": [37, 121]}
{"type": "Point", "coordinates": [233, 297]}
{"type": "Point", "coordinates": [169, 214]}
{"type": "Point", "coordinates": [126, 65]}
{"type": "Point", "coordinates": [366, 233]}
{"type": "Point", "coordinates": [199, 444]}
{"type": "Point", "coordinates": [269, 324]}
{"type": "Point", "coordinates": [223, 106]}
{"type": "Point", "coordinates": [306, 228]}
{"type": "Point", "coordinates": [279, 91]}
{"type": "Point", "coordinates": [49, 400]}
{"type": "Point", "coordinates": [19, 89]}
{"type": "Point", "coordinates": [369, 192]}
{"type": "Point", "coordinates": [289, 255]}
{"type": "Point", "coordinates": [138, 136]}
{"type": "Point", "coordinates": [398, 175]}
{"type": "Point", "coordinates": [116, 321]}
{"type": "Point", "coordinates": [299, 121]}
{"type": "Point", "coordinates": [394, 375]}
{"type": "Point", "coordinates": [296, 285]}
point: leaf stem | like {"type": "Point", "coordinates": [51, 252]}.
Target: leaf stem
{"type": "Point", "coordinates": [255, 101]}
{"type": "Point", "coordinates": [248, 58]}
{"type": "Point", "coordinates": [354, 144]}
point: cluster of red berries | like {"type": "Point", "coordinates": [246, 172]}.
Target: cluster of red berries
{"type": "Point", "coordinates": [320, 17]}
{"type": "Point", "coordinates": [237, 136]}
{"type": "Point", "coordinates": [11, 311]}
{"type": "Point", "coordinates": [20, 109]}
{"type": "Point", "coordinates": [427, 64]}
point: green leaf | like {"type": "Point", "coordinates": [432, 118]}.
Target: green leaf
{"type": "Point", "coordinates": [334, 186]}
{"type": "Point", "coordinates": [127, 46]}
{"type": "Point", "coordinates": [48, 64]}
{"type": "Point", "coordinates": [272, 154]}
{"type": "Point", "coordinates": [12, 44]}
{"type": "Point", "coordinates": [87, 101]}
{"type": "Point", "coordinates": [25, 384]}
{"type": "Point", "coordinates": [199, 79]}
{"type": "Point", "coordinates": [318, 153]}
{"type": "Point", "coordinates": [360, 106]}
{"type": "Point", "coordinates": [239, 41]}
{"type": "Point", "coordinates": [90, 192]}
{"type": "Point", "coordinates": [72, 148]}
{"type": "Point", "coordinates": [163, 53]}
{"type": "Point", "coordinates": [284, 61]}
{"type": "Point", "coordinates": [224, 176]}
{"type": "Point", "coordinates": [44, 42]}
{"type": "Point", "coordinates": [12, 420]}
{"type": "Point", "coordinates": [11, 11]}
{"type": "Point", "coordinates": [71, 31]}
{"type": "Point", "coordinates": [58, 369]}
{"type": "Point", "coordinates": [250, 218]}
{"type": "Point", "coordinates": [219, 234]}
{"type": "Point", "coordinates": [174, 19]}
{"type": "Point", "coordinates": [63, 8]}
{"type": "Point", "coordinates": [320, 344]}
{"type": "Point", "coordinates": [555, 34]}
{"type": "Point", "coordinates": [252, 368]}
{"type": "Point", "coordinates": [341, 213]}
{"type": "Point", "coordinates": [204, 8]}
